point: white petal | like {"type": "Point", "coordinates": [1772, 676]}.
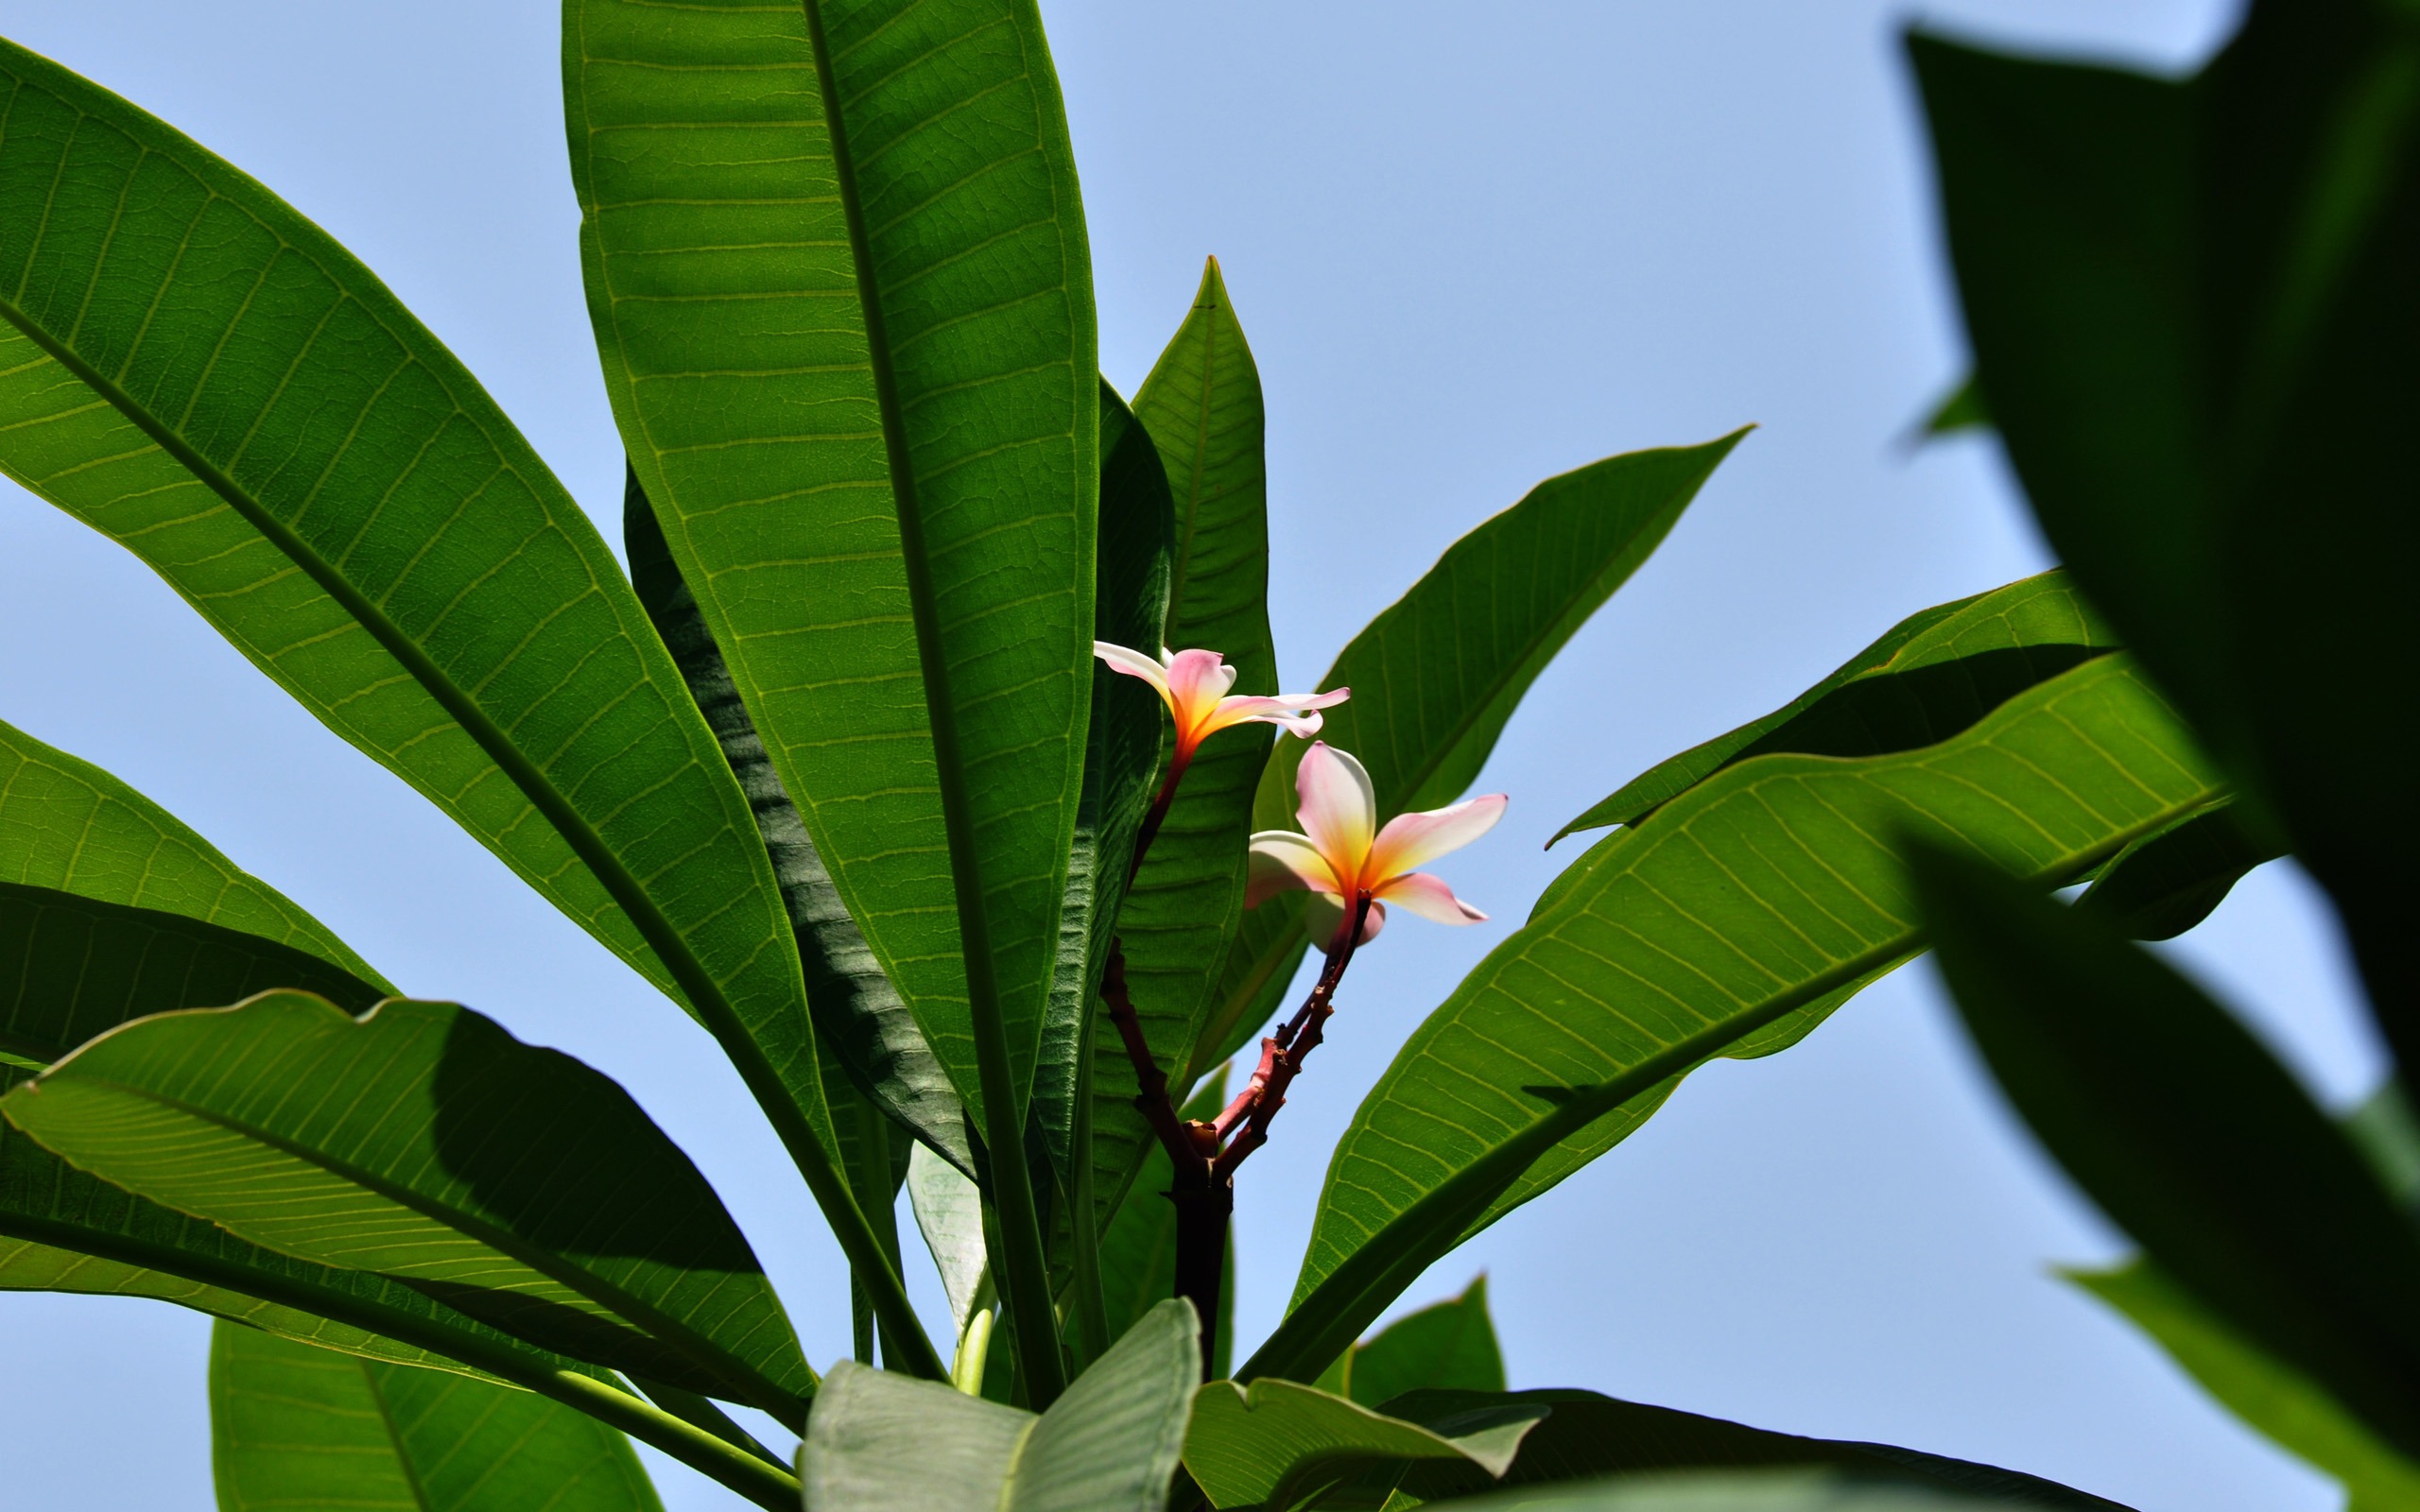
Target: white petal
{"type": "Point", "coordinates": [1339, 809]}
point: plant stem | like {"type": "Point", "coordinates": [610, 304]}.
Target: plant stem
{"type": "Point", "coordinates": [1282, 1055]}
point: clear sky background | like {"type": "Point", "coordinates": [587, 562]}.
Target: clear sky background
{"type": "Point", "coordinates": [1472, 245]}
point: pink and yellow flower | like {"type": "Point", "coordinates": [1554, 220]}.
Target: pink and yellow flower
{"type": "Point", "coordinates": [1194, 685]}
{"type": "Point", "coordinates": [1341, 855]}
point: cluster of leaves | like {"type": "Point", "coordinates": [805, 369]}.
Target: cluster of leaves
{"type": "Point", "coordinates": [2197, 329]}
{"type": "Point", "coordinates": [833, 767]}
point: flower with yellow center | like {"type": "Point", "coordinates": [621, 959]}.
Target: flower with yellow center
{"type": "Point", "coordinates": [1194, 685]}
{"type": "Point", "coordinates": [1343, 857]}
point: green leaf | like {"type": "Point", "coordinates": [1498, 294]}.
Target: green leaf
{"type": "Point", "coordinates": [1202, 405]}
{"type": "Point", "coordinates": [2188, 1135]}
{"type": "Point", "coordinates": [2267, 1393]}
{"type": "Point", "coordinates": [295, 1426]}
{"type": "Point", "coordinates": [949, 1213]}
{"type": "Point", "coordinates": [837, 268]}
{"type": "Point", "coordinates": [2386, 1132]}
{"type": "Point", "coordinates": [2194, 322]}
{"type": "Point", "coordinates": [1275, 1444]}
{"type": "Point", "coordinates": [1761, 893]}
{"type": "Point", "coordinates": [512, 1183]}
{"type": "Point", "coordinates": [1961, 409]}
{"type": "Point", "coordinates": [205, 376]}
{"type": "Point", "coordinates": [2164, 884]}
{"type": "Point", "coordinates": [1447, 1347]}
{"type": "Point", "coordinates": [1435, 677]}
{"type": "Point", "coordinates": [1584, 1435]}
{"type": "Point", "coordinates": [1934, 673]}
{"type": "Point", "coordinates": [1110, 1444]}
{"type": "Point", "coordinates": [857, 1010]}
{"type": "Point", "coordinates": [1129, 599]}
{"type": "Point", "coordinates": [69, 827]}
{"type": "Point", "coordinates": [1138, 1250]}
{"type": "Point", "coordinates": [851, 353]}
{"type": "Point", "coordinates": [1784, 1490]}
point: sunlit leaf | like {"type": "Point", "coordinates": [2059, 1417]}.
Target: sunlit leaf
{"type": "Point", "coordinates": [512, 1183]}
{"type": "Point", "coordinates": [1275, 1444]}
{"type": "Point", "coordinates": [293, 1426]}
{"type": "Point", "coordinates": [1761, 893]}
{"type": "Point", "coordinates": [1934, 673]}
{"type": "Point", "coordinates": [201, 374]}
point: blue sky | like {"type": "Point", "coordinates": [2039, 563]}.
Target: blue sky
{"type": "Point", "coordinates": [1472, 247]}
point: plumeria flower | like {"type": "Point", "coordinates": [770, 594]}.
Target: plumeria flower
{"type": "Point", "coordinates": [1342, 856]}
{"type": "Point", "coordinates": [1194, 685]}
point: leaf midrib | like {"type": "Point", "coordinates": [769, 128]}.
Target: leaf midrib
{"type": "Point", "coordinates": [1447, 1201]}
{"type": "Point", "coordinates": [705, 996]}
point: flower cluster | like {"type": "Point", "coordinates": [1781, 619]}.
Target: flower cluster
{"type": "Point", "coordinates": [1341, 855]}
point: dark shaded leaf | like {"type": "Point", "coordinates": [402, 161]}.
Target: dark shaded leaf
{"type": "Point", "coordinates": [510, 1183]}
{"type": "Point", "coordinates": [2194, 322]}
{"type": "Point", "coordinates": [1202, 405]}
{"type": "Point", "coordinates": [1137, 540]}
{"type": "Point", "coordinates": [1583, 1435]}
{"type": "Point", "coordinates": [2164, 884]}
{"type": "Point", "coordinates": [2188, 1135]}
{"type": "Point", "coordinates": [1274, 1444]}
{"type": "Point", "coordinates": [2268, 1395]}
{"type": "Point", "coordinates": [1934, 673]}
{"type": "Point", "coordinates": [857, 1010]}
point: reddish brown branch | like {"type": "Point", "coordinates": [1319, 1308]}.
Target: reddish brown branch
{"type": "Point", "coordinates": [1282, 1053]}
{"type": "Point", "coordinates": [1152, 1098]}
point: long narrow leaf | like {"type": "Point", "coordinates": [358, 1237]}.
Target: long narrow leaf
{"type": "Point", "coordinates": [2195, 329]}
{"type": "Point", "coordinates": [2189, 1135]}
{"type": "Point", "coordinates": [512, 1183]}
{"type": "Point", "coordinates": [1757, 894]}
{"type": "Point", "coordinates": [295, 1426]}
{"type": "Point", "coordinates": [198, 372]}
{"type": "Point", "coordinates": [1932, 675]}
{"type": "Point", "coordinates": [857, 1009]}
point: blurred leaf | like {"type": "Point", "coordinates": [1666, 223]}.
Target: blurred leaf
{"type": "Point", "coordinates": [1761, 893]}
{"type": "Point", "coordinates": [1275, 1444]}
{"type": "Point", "coordinates": [1449, 1345]}
{"type": "Point", "coordinates": [2268, 1395]}
{"type": "Point", "coordinates": [857, 1010]}
{"type": "Point", "coordinates": [1129, 599]}
{"type": "Point", "coordinates": [293, 1426]}
{"type": "Point", "coordinates": [2188, 1135]}
{"type": "Point", "coordinates": [512, 1183]}
{"type": "Point", "coordinates": [201, 374]}
{"type": "Point", "coordinates": [2164, 884]}
{"type": "Point", "coordinates": [1109, 1445]}
{"type": "Point", "coordinates": [1436, 676]}
{"type": "Point", "coordinates": [1201, 406]}
{"type": "Point", "coordinates": [2194, 322]}
{"type": "Point", "coordinates": [850, 355]}
{"type": "Point", "coordinates": [1961, 409]}
{"type": "Point", "coordinates": [1584, 1435]}
{"type": "Point", "coordinates": [1934, 673]}
{"type": "Point", "coordinates": [2385, 1130]}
